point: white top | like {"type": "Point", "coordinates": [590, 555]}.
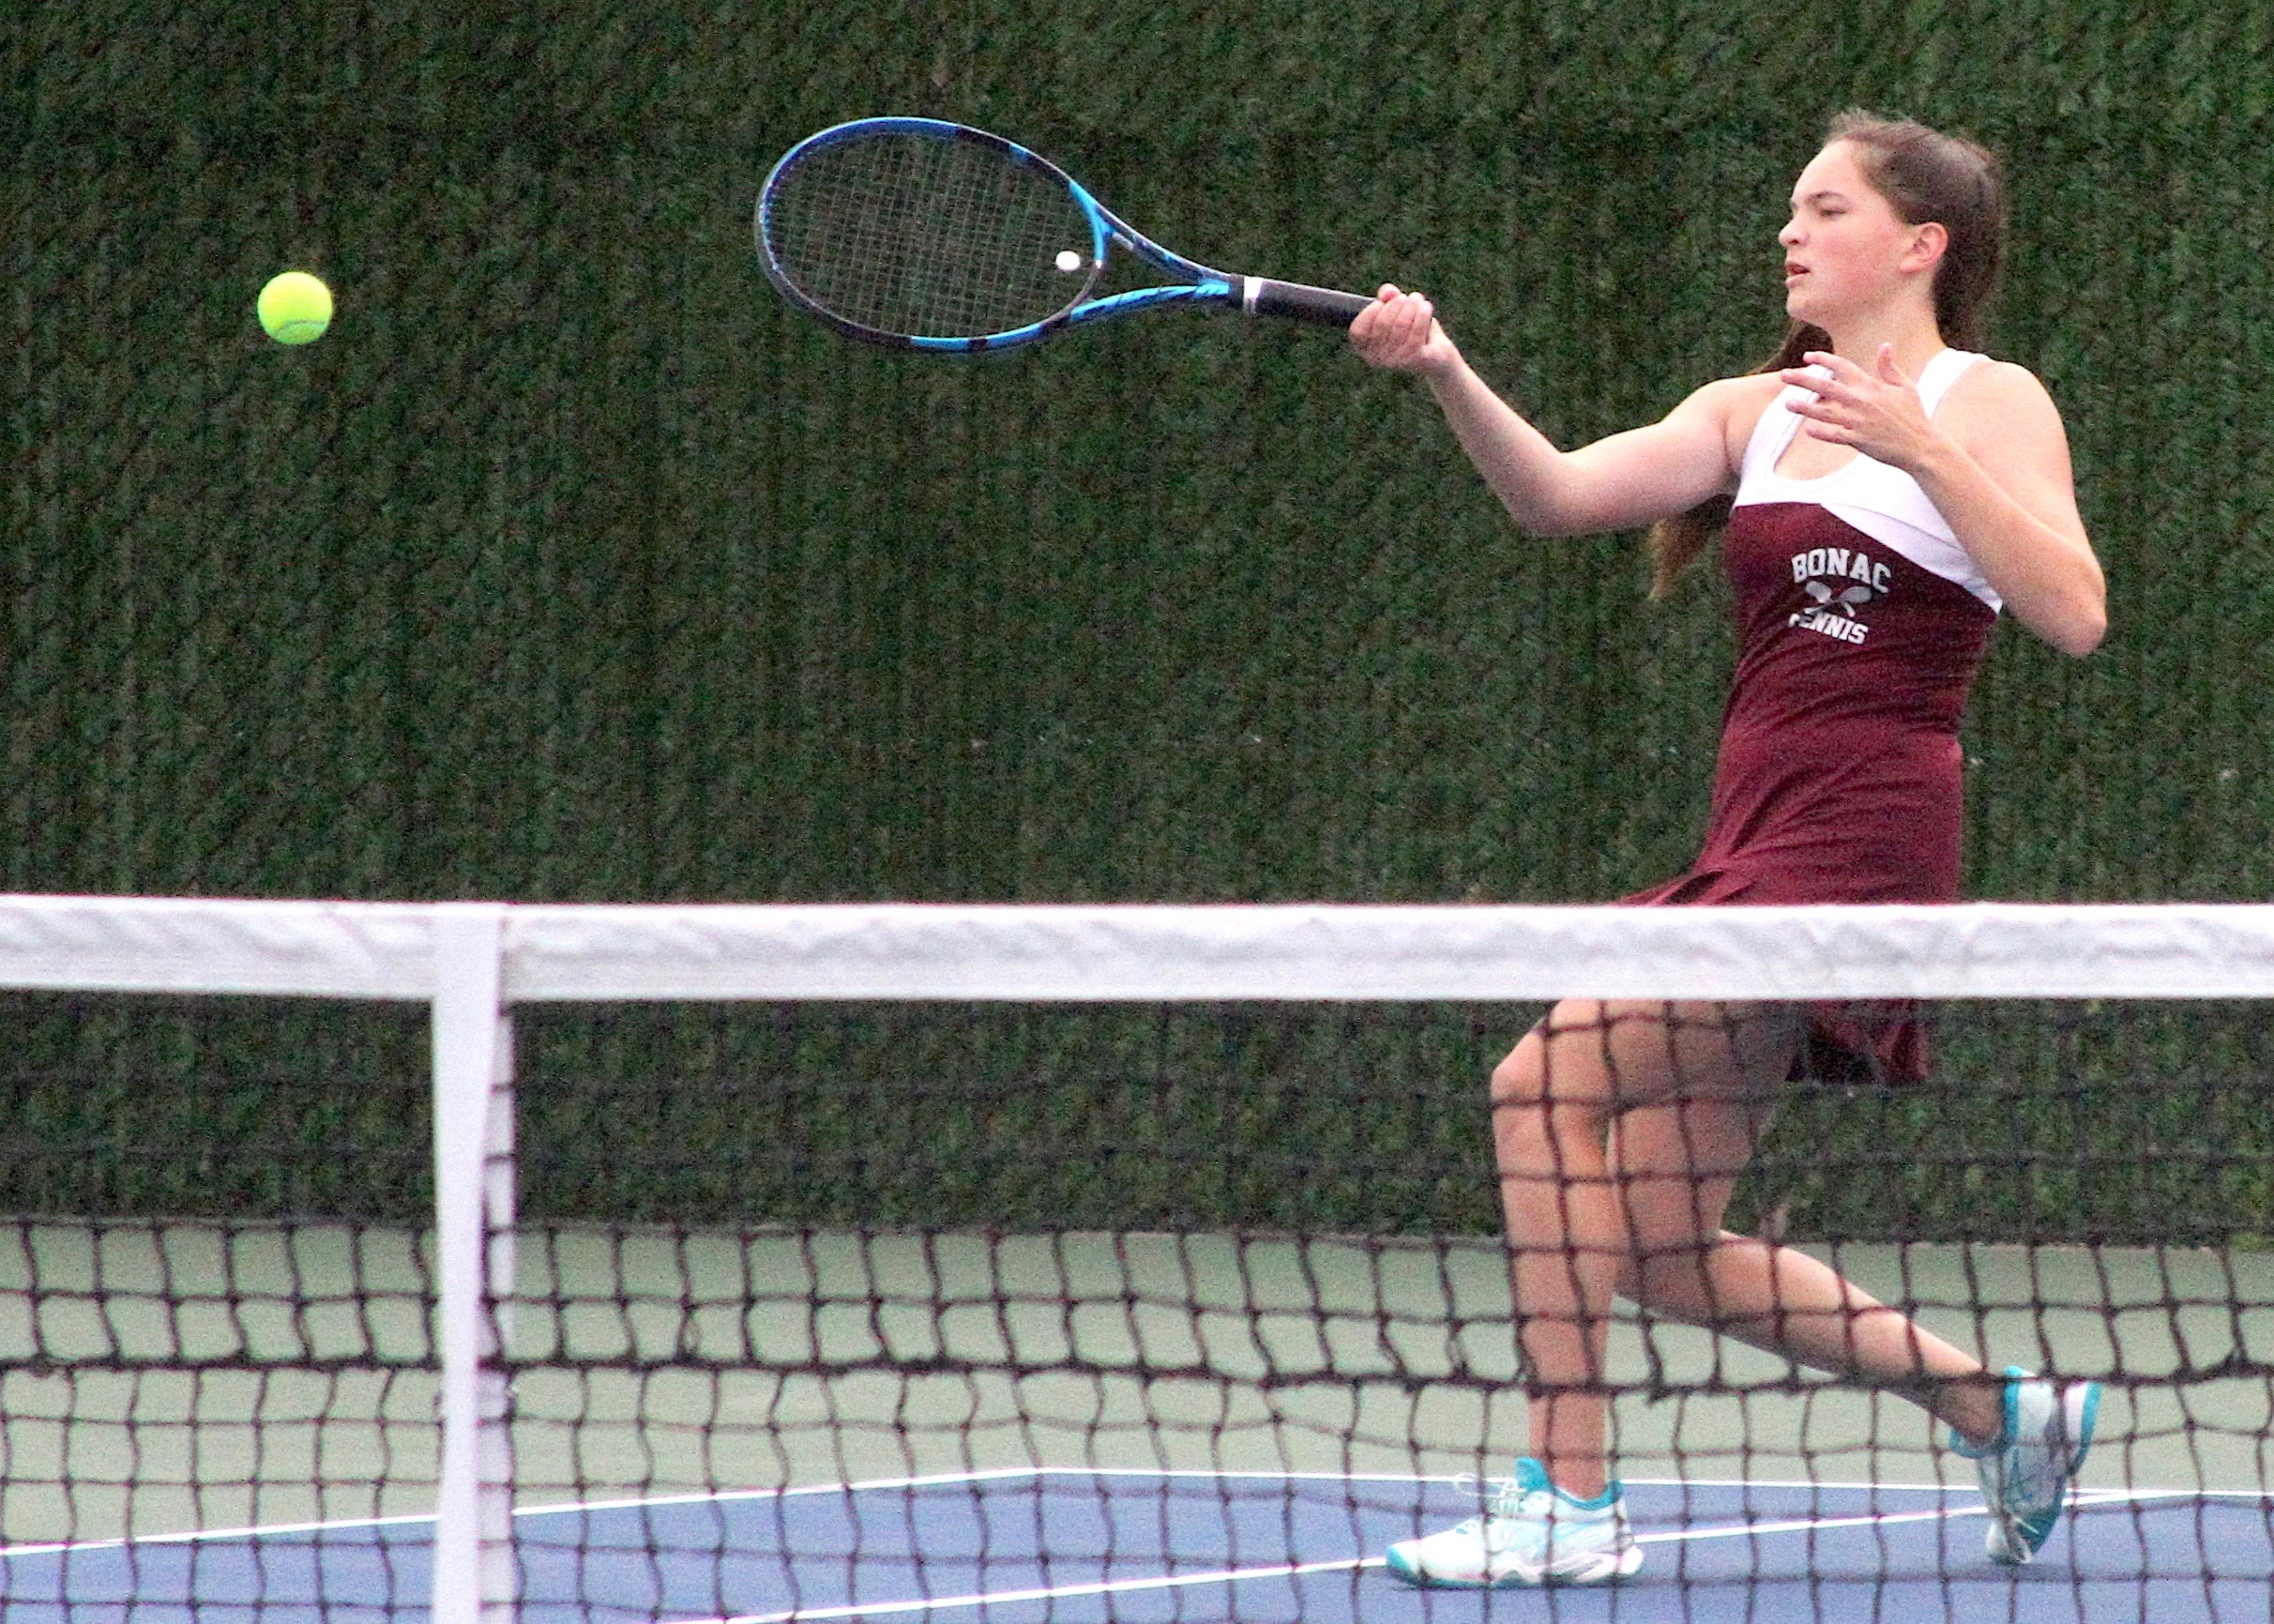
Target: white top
{"type": "Point", "coordinates": [1880, 500]}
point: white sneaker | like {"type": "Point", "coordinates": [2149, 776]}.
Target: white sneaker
{"type": "Point", "coordinates": [1532, 1534]}
{"type": "Point", "coordinates": [2026, 1472]}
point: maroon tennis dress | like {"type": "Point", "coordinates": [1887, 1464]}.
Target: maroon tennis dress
{"type": "Point", "coordinates": [1861, 622]}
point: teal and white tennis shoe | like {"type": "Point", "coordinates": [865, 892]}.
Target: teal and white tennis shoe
{"type": "Point", "coordinates": [2027, 1471]}
{"type": "Point", "coordinates": [1532, 1533]}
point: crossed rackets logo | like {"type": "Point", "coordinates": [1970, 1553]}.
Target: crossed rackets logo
{"type": "Point", "coordinates": [1831, 609]}
{"type": "Point", "coordinates": [1822, 598]}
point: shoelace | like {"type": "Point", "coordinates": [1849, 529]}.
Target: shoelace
{"type": "Point", "coordinates": [1512, 1501]}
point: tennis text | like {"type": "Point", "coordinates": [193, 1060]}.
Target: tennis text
{"type": "Point", "coordinates": [1842, 626]}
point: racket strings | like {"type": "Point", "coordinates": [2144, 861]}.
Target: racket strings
{"type": "Point", "coordinates": [906, 234]}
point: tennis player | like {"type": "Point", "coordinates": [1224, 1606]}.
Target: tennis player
{"type": "Point", "coordinates": [1882, 492]}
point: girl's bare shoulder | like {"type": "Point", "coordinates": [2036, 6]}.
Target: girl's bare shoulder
{"type": "Point", "coordinates": [1738, 404]}
{"type": "Point", "coordinates": [1993, 400]}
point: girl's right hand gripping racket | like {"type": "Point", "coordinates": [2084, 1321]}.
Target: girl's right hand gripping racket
{"type": "Point", "coordinates": [916, 233]}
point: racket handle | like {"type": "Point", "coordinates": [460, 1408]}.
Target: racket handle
{"type": "Point", "coordinates": [1262, 297]}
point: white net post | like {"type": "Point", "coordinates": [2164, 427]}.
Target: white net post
{"type": "Point", "coordinates": [475, 1577]}
{"type": "Point", "coordinates": [500, 1572]}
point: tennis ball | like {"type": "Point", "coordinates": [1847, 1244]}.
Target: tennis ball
{"type": "Point", "coordinates": [1069, 260]}
{"type": "Point", "coordinates": [295, 308]}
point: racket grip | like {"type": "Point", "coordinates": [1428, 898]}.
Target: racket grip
{"type": "Point", "coordinates": [1262, 297]}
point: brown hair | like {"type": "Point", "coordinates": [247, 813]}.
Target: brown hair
{"type": "Point", "coordinates": [1925, 176]}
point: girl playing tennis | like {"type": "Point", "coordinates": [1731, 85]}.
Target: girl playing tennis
{"type": "Point", "coordinates": [1882, 491]}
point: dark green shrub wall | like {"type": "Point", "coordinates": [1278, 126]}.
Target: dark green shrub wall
{"type": "Point", "coordinates": [571, 566]}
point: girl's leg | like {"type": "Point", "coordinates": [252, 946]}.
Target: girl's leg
{"type": "Point", "coordinates": [1554, 1100]}
{"type": "Point", "coordinates": [1675, 1163]}
{"type": "Point", "coordinates": [1674, 1160]}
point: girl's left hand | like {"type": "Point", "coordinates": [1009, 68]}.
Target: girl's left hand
{"type": "Point", "coordinates": [1878, 413]}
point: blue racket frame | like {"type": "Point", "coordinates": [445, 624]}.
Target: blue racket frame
{"type": "Point", "coordinates": [1202, 285]}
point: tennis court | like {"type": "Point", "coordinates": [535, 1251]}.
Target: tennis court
{"type": "Point", "coordinates": [1137, 1545]}
{"type": "Point", "coordinates": [1307, 1402]}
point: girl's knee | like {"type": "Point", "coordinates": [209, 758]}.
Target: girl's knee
{"type": "Point", "coordinates": [1516, 1081]}
{"type": "Point", "coordinates": [1547, 1066]}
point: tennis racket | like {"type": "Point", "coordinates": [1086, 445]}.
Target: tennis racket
{"type": "Point", "coordinates": [924, 234]}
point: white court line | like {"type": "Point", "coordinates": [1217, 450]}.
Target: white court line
{"type": "Point", "coordinates": [994, 1475]}
{"type": "Point", "coordinates": [2099, 1497]}
{"type": "Point", "coordinates": [190, 1536]}
{"type": "Point", "coordinates": [1350, 1564]}
{"type": "Point", "coordinates": [1048, 1593]}
{"type": "Point", "coordinates": [940, 1479]}
{"type": "Point", "coordinates": [1007, 1474]}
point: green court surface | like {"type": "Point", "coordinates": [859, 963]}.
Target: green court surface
{"type": "Point", "coordinates": [164, 1378]}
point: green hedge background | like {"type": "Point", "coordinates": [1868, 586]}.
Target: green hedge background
{"type": "Point", "coordinates": [570, 565]}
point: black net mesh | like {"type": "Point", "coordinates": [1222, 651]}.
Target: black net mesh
{"type": "Point", "coordinates": [1127, 1309]}
{"type": "Point", "coordinates": [215, 1287]}
{"type": "Point", "coordinates": [1197, 1311]}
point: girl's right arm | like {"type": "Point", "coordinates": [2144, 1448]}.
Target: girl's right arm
{"type": "Point", "coordinates": [1624, 480]}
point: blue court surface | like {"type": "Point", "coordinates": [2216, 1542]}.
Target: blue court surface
{"type": "Point", "coordinates": [1070, 1546]}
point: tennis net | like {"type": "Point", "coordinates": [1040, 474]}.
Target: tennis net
{"type": "Point", "coordinates": [1069, 1263]}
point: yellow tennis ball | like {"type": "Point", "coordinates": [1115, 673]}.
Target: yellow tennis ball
{"type": "Point", "coordinates": [295, 308]}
